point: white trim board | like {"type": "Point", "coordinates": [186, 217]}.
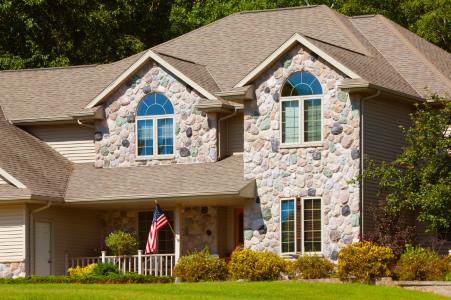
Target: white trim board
{"type": "Point", "coordinates": [136, 66]}
{"type": "Point", "coordinates": [296, 38]}
{"type": "Point", "coordinates": [11, 179]}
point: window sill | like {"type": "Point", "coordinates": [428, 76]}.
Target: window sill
{"type": "Point", "coordinates": [155, 157]}
{"type": "Point", "coordinates": [304, 145]}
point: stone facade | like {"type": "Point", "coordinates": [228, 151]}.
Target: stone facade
{"type": "Point", "coordinates": [199, 227]}
{"type": "Point", "coordinates": [12, 269]}
{"type": "Point", "coordinates": [115, 138]}
{"type": "Point", "coordinates": [324, 171]}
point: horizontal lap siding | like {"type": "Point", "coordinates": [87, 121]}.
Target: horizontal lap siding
{"type": "Point", "coordinates": [75, 231]}
{"type": "Point", "coordinates": [12, 233]}
{"type": "Point", "coordinates": [235, 134]}
{"type": "Point", "coordinates": [73, 142]}
{"type": "Point", "coordinates": [382, 141]}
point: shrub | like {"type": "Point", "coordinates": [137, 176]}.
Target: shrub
{"type": "Point", "coordinates": [112, 278]}
{"type": "Point", "coordinates": [121, 242]}
{"type": "Point", "coordinates": [418, 263]}
{"type": "Point", "coordinates": [313, 267]}
{"type": "Point", "coordinates": [106, 269]}
{"type": "Point", "coordinates": [200, 266]}
{"type": "Point", "coordinates": [82, 271]}
{"type": "Point", "coordinates": [364, 261]}
{"type": "Point", "coordinates": [253, 265]}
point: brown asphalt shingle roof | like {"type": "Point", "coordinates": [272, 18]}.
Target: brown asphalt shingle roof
{"type": "Point", "coordinates": [217, 56]}
{"type": "Point", "coordinates": [40, 168]}
{"type": "Point", "coordinates": [56, 92]}
{"type": "Point", "coordinates": [224, 177]}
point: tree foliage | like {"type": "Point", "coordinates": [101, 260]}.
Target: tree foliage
{"type": "Point", "coordinates": [419, 179]}
{"type": "Point", "coordinates": [42, 33]}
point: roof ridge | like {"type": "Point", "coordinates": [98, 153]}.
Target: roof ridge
{"type": "Point", "coordinates": [389, 23]}
{"type": "Point", "coordinates": [277, 9]}
{"type": "Point", "coordinates": [189, 32]}
{"type": "Point", "coordinates": [52, 68]}
{"type": "Point", "coordinates": [363, 16]}
{"type": "Point", "coordinates": [334, 45]}
{"type": "Point", "coordinates": [181, 59]}
{"type": "Point", "coordinates": [336, 16]}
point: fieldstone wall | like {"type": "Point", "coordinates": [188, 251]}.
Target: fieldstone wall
{"type": "Point", "coordinates": [199, 229]}
{"type": "Point", "coordinates": [12, 269]}
{"type": "Point", "coordinates": [324, 171]}
{"type": "Point", "coordinates": [115, 138]}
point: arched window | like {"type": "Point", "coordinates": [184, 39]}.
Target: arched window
{"type": "Point", "coordinates": [155, 126]}
{"type": "Point", "coordinates": [301, 109]}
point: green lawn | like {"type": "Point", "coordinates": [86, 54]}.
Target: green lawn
{"type": "Point", "coordinates": [217, 290]}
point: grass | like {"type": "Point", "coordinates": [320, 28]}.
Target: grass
{"type": "Point", "coordinates": [214, 290]}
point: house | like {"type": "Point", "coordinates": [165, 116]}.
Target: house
{"type": "Point", "coordinates": [249, 130]}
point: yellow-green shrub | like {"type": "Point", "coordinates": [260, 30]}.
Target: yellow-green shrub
{"type": "Point", "coordinates": [252, 265]}
{"type": "Point", "coordinates": [418, 263]}
{"type": "Point", "coordinates": [313, 267]}
{"type": "Point", "coordinates": [364, 261]}
{"type": "Point", "coordinates": [201, 266]}
{"type": "Point", "coordinates": [82, 271]}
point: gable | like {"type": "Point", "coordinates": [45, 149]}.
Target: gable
{"type": "Point", "coordinates": [276, 55]}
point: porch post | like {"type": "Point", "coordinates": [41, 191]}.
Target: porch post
{"type": "Point", "coordinates": [177, 231]}
{"type": "Point", "coordinates": [103, 256]}
{"type": "Point", "coordinates": [140, 253]}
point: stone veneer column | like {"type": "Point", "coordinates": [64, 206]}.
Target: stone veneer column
{"type": "Point", "coordinates": [326, 171]}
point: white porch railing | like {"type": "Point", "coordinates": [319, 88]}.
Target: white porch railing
{"type": "Point", "coordinates": [153, 264]}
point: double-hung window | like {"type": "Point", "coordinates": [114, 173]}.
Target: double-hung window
{"type": "Point", "coordinates": [155, 126]}
{"type": "Point", "coordinates": [301, 109]}
{"type": "Point", "coordinates": [301, 226]}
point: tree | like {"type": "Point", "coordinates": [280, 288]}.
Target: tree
{"type": "Point", "coordinates": [419, 179]}
{"type": "Point", "coordinates": [41, 33]}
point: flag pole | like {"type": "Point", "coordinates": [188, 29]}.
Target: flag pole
{"type": "Point", "coordinates": [169, 223]}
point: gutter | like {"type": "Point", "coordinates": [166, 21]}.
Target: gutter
{"type": "Point", "coordinates": [31, 235]}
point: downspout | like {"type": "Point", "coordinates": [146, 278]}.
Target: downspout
{"type": "Point", "coordinates": [375, 95]}
{"type": "Point", "coordinates": [31, 235]}
{"type": "Point", "coordinates": [219, 130]}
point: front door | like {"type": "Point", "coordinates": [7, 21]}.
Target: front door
{"type": "Point", "coordinates": [43, 253]}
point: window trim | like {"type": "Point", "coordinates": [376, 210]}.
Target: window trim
{"type": "Point", "coordinates": [295, 227]}
{"type": "Point", "coordinates": [302, 252]}
{"type": "Point", "coordinates": [155, 119]}
{"type": "Point", "coordinates": [301, 100]}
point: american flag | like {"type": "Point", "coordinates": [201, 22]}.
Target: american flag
{"type": "Point", "coordinates": [158, 221]}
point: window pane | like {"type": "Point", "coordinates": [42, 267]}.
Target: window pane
{"type": "Point", "coordinates": [155, 104]}
{"type": "Point", "coordinates": [312, 225]}
{"type": "Point", "coordinates": [165, 237]}
{"type": "Point", "coordinates": [145, 137]}
{"type": "Point", "coordinates": [290, 122]}
{"type": "Point", "coordinates": [288, 222]}
{"type": "Point", "coordinates": [312, 120]}
{"type": "Point", "coordinates": [301, 84]}
{"type": "Point", "coordinates": [165, 136]}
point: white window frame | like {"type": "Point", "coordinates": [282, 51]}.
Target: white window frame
{"type": "Point", "coordinates": [155, 154]}
{"type": "Point", "coordinates": [295, 227]}
{"type": "Point", "coordinates": [302, 226]}
{"type": "Point", "coordinates": [301, 100]}
{"type": "Point", "coordinates": [302, 252]}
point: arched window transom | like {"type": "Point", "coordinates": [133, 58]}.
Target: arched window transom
{"type": "Point", "coordinates": [155, 126]}
{"type": "Point", "coordinates": [301, 109]}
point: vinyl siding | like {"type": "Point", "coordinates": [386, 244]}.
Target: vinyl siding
{"type": "Point", "coordinates": [12, 233]}
{"type": "Point", "coordinates": [74, 231]}
{"type": "Point", "coordinates": [73, 142]}
{"type": "Point", "coordinates": [382, 141]}
{"type": "Point", "coordinates": [235, 134]}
